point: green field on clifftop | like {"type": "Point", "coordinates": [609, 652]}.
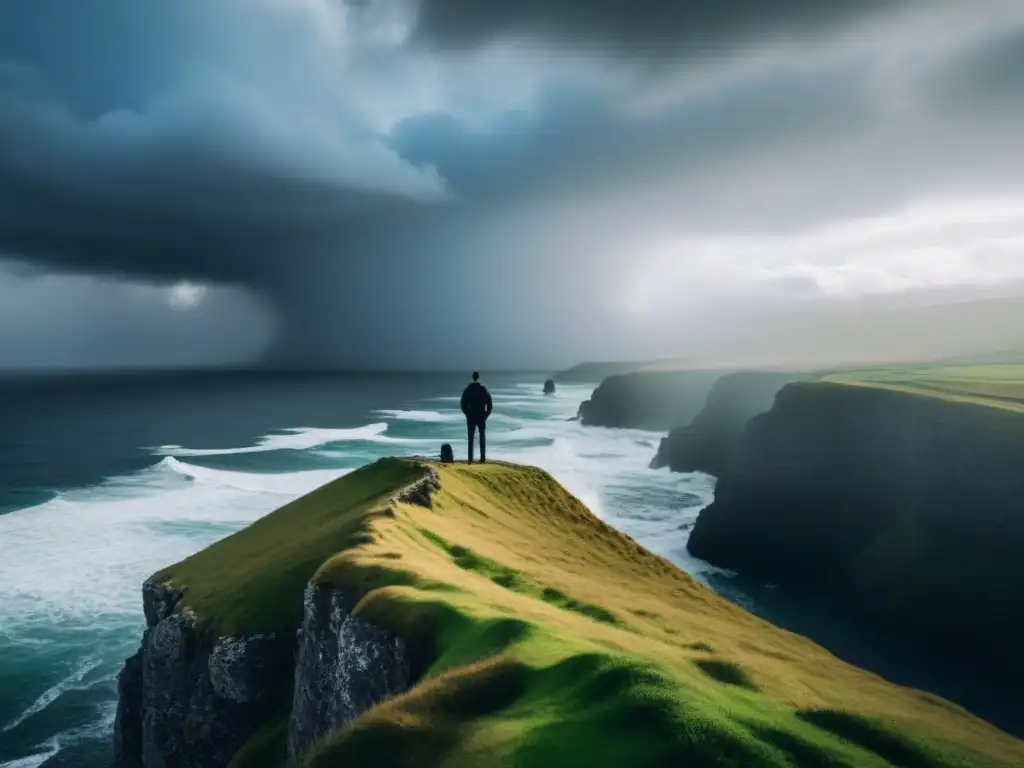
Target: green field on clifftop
{"type": "Point", "coordinates": [998, 386]}
{"type": "Point", "coordinates": [550, 639]}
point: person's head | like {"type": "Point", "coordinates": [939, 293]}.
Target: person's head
{"type": "Point", "coordinates": [476, 376]}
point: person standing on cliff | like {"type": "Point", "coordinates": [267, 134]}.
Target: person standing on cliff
{"type": "Point", "coordinates": [477, 406]}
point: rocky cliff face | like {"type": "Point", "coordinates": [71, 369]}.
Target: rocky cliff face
{"type": "Point", "coordinates": [187, 699]}
{"type": "Point", "coordinates": [190, 699]}
{"type": "Point", "coordinates": [656, 400]}
{"type": "Point", "coordinates": [708, 442]}
{"type": "Point", "coordinates": [343, 667]}
{"type": "Point", "coordinates": [911, 507]}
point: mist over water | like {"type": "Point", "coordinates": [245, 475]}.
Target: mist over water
{"type": "Point", "coordinates": [71, 567]}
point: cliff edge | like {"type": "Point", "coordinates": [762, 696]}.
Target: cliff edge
{"type": "Point", "coordinates": [654, 400]}
{"type": "Point", "coordinates": [412, 613]}
{"type": "Point", "coordinates": [707, 444]}
{"type": "Point", "coordinates": [906, 504]}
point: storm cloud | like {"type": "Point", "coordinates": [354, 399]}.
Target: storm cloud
{"type": "Point", "coordinates": [442, 183]}
{"type": "Point", "coordinates": [659, 28]}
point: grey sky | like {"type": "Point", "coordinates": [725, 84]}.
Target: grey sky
{"type": "Point", "coordinates": [449, 183]}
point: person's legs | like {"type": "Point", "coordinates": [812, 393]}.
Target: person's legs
{"type": "Point", "coordinates": [483, 440]}
{"type": "Point", "coordinates": [470, 426]}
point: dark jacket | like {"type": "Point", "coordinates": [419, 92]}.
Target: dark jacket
{"type": "Point", "coordinates": [476, 402]}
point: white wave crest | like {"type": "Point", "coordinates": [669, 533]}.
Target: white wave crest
{"type": "Point", "coordinates": [293, 439]}
{"type": "Point", "coordinates": [432, 417]}
{"type": "Point", "coordinates": [97, 729]}
{"type": "Point", "coordinates": [289, 483]}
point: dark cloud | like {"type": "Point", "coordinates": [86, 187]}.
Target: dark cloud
{"type": "Point", "coordinates": [61, 321]}
{"type": "Point", "coordinates": [573, 141]}
{"type": "Point", "coordinates": [395, 204]}
{"type": "Point", "coordinates": [654, 27]}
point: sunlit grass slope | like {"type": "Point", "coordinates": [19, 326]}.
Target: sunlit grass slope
{"type": "Point", "coordinates": [999, 386]}
{"type": "Point", "coordinates": [546, 638]}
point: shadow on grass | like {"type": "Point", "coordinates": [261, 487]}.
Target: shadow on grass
{"type": "Point", "coordinates": [872, 736]}
{"type": "Point", "coordinates": [515, 581]}
{"type": "Point", "coordinates": [804, 752]}
{"type": "Point", "coordinates": [726, 672]}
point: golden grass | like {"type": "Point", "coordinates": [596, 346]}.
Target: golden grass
{"type": "Point", "coordinates": [995, 386]}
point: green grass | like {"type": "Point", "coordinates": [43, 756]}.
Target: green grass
{"type": "Point", "coordinates": [547, 638]}
{"type": "Point", "coordinates": [516, 581]}
{"type": "Point", "coordinates": [253, 581]}
{"type": "Point", "coordinates": [997, 386]}
{"type": "Point", "coordinates": [268, 748]}
{"type": "Point", "coordinates": [872, 735]}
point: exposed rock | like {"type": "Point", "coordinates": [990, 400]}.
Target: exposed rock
{"type": "Point", "coordinates": [158, 601]}
{"type": "Point", "coordinates": [708, 443]}
{"type": "Point", "coordinates": [655, 400]}
{"type": "Point", "coordinates": [549, 387]}
{"type": "Point", "coordinates": [188, 698]}
{"type": "Point", "coordinates": [908, 507]}
{"type": "Point", "coordinates": [344, 666]}
{"type": "Point", "coordinates": [447, 454]}
{"type": "Point", "coordinates": [420, 492]}
{"type": "Point", "coordinates": [128, 722]}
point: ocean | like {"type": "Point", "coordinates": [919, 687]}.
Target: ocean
{"type": "Point", "coordinates": [105, 479]}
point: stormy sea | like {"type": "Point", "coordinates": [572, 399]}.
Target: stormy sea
{"type": "Point", "coordinates": [105, 479]}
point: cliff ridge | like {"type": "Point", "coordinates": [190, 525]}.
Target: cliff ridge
{"type": "Point", "coordinates": [414, 613]}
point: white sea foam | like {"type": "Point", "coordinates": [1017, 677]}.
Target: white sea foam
{"type": "Point", "coordinates": [85, 554]}
{"type": "Point", "coordinates": [50, 749]}
{"type": "Point", "coordinates": [287, 484]}
{"type": "Point", "coordinates": [291, 439]}
{"type": "Point", "coordinates": [424, 416]}
{"type": "Point", "coordinates": [50, 695]}
{"type": "Point", "coordinates": [98, 728]}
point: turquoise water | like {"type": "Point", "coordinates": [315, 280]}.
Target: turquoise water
{"type": "Point", "coordinates": [71, 566]}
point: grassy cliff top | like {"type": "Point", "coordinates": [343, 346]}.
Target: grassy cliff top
{"type": "Point", "coordinates": [996, 386]}
{"type": "Point", "coordinates": [550, 639]}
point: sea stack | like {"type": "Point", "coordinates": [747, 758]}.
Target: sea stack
{"type": "Point", "coordinates": [549, 387]}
